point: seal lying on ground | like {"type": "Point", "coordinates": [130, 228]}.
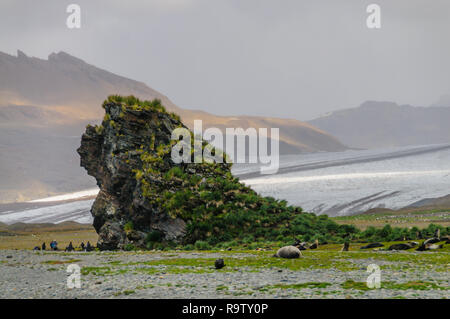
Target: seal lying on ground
{"type": "Point", "coordinates": [315, 245]}
{"type": "Point", "coordinates": [300, 245]}
{"type": "Point", "coordinates": [434, 246]}
{"type": "Point", "coordinates": [372, 245]}
{"type": "Point", "coordinates": [288, 252]}
{"type": "Point", "coordinates": [429, 243]}
{"type": "Point", "coordinates": [429, 247]}
{"type": "Point", "coordinates": [432, 240]}
{"type": "Point", "coordinates": [446, 239]}
{"type": "Point", "coordinates": [402, 246]}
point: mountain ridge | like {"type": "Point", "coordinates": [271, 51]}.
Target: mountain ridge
{"type": "Point", "coordinates": [377, 124]}
{"type": "Point", "coordinates": [45, 104]}
{"type": "Point", "coordinates": [63, 71]}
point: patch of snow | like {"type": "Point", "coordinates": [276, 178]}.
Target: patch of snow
{"type": "Point", "coordinates": [76, 195]}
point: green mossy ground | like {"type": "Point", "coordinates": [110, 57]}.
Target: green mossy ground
{"type": "Point", "coordinates": [403, 267]}
{"type": "Point", "coordinates": [252, 261]}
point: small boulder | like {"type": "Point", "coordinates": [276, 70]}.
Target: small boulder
{"type": "Point", "coordinates": [219, 263]}
{"type": "Point", "coordinates": [288, 252]}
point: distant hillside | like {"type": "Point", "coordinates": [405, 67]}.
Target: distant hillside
{"type": "Point", "coordinates": [439, 202]}
{"type": "Point", "coordinates": [444, 100]}
{"type": "Point", "coordinates": [45, 105]}
{"type": "Point", "coordinates": [386, 124]}
{"type": "Point", "coordinates": [75, 89]}
{"type": "Point", "coordinates": [64, 83]}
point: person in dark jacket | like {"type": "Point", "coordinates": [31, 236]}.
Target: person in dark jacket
{"type": "Point", "coordinates": [70, 247]}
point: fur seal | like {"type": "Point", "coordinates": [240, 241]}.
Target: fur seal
{"type": "Point", "coordinates": [288, 252]}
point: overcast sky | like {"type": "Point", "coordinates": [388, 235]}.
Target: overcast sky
{"type": "Point", "coordinates": [285, 58]}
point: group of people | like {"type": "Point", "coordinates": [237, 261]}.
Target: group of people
{"type": "Point", "coordinates": [54, 246]}
{"type": "Point", "coordinates": [87, 247]}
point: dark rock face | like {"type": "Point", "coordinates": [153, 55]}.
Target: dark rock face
{"type": "Point", "coordinates": [111, 153]}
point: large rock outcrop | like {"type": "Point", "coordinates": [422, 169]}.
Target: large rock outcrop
{"type": "Point", "coordinates": [112, 154]}
{"type": "Point", "coordinates": [145, 198]}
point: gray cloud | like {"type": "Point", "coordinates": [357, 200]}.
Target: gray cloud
{"type": "Point", "coordinates": [286, 58]}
